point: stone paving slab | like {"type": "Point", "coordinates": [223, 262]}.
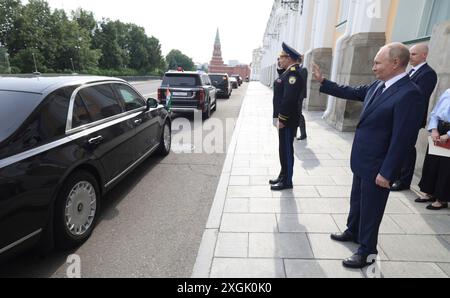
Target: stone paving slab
{"type": "Point", "coordinates": [247, 268]}
{"type": "Point", "coordinates": [319, 269]}
{"type": "Point", "coordinates": [415, 248]}
{"type": "Point", "coordinates": [411, 270]}
{"type": "Point", "coordinates": [232, 245]}
{"type": "Point", "coordinates": [280, 245]}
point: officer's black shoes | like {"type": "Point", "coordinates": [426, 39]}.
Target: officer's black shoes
{"type": "Point", "coordinates": [344, 237]}
{"type": "Point", "coordinates": [275, 181]}
{"type": "Point", "coordinates": [302, 138]}
{"type": "Point", "coordinates": [281, 186]}
{"type": "Point", "coordinates": [356, 262]}
{"type": "Point", "coordinates": [399, 186]}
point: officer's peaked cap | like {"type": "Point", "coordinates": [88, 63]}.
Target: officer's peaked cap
{"type": "Point", "coordinates": [291, 52]}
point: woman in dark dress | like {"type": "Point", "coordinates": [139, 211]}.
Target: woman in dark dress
{"type": "Point", "coordinates": [436, 169]}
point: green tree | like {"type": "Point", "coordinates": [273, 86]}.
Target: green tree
{"type": "Point", "coordinates": [85, 20]}
{"type": "Point", "coordinates": [73, 44]}
{"type": "Point", "coordinates": [9, 11]}
{"type": "Point", "coordinates": [176, 58]}
{"type": "Point", "coordinates": [109, 38]}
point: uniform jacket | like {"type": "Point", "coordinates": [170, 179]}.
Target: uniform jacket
{"type": "Point", "coordinates": [288, 89]}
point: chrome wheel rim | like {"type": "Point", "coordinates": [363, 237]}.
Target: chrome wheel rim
{"type": "Point", "coordinates": [167, 137]}
{"type": "Point", "coordinates": [81, 206]}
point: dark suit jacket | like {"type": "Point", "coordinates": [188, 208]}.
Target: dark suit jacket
{"type": "Point", "coordinates": [387, 128]}
{"type": "Point", "coordinates": [426, 79]}
{"type": "Point", "coordinates": [304, 75]}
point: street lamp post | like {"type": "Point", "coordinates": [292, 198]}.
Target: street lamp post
{"type": "Point", "coordinates": [35, 65]}
{"type": "Point", "coordinates": [71, 62]}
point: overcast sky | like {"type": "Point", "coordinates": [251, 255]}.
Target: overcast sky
{"type": "Point", "coordinates": [189, 25]}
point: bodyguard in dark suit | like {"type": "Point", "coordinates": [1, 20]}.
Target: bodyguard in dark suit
{"type": "Point", "coordinates": [426, 78]}
{"type": "Point", "coordinates": [304, 94]}
{"type": "Point", "coordinates": [287, 91]}
{"type": "Point", "coordinates": [387, 129]}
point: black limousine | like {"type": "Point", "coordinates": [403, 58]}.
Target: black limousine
{"type": "Point", "coordinates": [64, 143]}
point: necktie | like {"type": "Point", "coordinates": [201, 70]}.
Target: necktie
{"type": "Point", "coordinates": [376, 95]}
{"type": "Point", "coordinates": [411, 72]}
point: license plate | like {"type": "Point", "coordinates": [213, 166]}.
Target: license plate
{"type": "Point", "coordinates": [180, 94]}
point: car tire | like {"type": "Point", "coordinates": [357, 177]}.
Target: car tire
{"type": "Point", "coordinates": [165, 142]}
{"type": "Point", "coordinates": [76, 210]}
{"type": "Point", "coordinates": [215, 106]}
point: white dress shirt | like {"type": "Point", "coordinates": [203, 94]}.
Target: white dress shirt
{"type": "Point", "coordinates": [394, 80]}
{"type": "Point", "coordinates": [416, 68]}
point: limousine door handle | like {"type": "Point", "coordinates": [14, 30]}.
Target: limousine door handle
{"type": "Point", "coordinates": [96, 140]}
{"type": "Point", "coordinates": [138, 122]}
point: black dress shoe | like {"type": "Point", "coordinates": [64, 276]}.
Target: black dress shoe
{"type": "Point", "coordinates": [281, 186]}
{"type": "Point", "coordinates": [356, 262]}
{"type": "Point", "coordinates": [344, 237]}
{"type": "Point", "coordinates": [276, 181]}
{"type": "Point", "coordinates": [443, 206]}
{"type": "Point", "coordinates": [425, 200]}
{"type": "Point", "coordinates": [301, 138]}
{"type": "Point", "coordinates": [399, 186]}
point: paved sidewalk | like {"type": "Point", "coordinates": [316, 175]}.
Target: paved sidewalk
{"type": "Point", "coordinates": [253, 232]}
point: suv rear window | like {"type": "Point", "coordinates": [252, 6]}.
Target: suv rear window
{"type": "Point", "coordinates": [181, 80]}
{"type": "Point", "coordinates": [15, 107]}
{"type": "Point", "coordinates": [217, 78]}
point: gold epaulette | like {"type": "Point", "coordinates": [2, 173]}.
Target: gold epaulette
{"type": "Point", "coordinates": [282, 117]}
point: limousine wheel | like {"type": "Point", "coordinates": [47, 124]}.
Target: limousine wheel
{"type": "Point", "coordinates": [166, 140]}
{"type": "Point", "coordinates": [76, 210]}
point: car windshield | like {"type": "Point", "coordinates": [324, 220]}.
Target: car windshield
{"type": "Point", "coordinates": [180, 80]}
{"type": "Point", "coordinates": [15, 107]}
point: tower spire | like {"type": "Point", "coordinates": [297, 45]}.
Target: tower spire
{"type": "Point", "coordinates": [217, 37]}
{"type": "Point", "coordinates": [217, 54]}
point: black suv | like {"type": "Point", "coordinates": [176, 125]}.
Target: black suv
{"type": "Point", "coordinates": [238, 79]}
{"type": "Point", "coordinates": [222, 82]}
{"type": "Point", "coordinates": [64, 143]}
{"type": "Point", "coordinates": [188, 92]}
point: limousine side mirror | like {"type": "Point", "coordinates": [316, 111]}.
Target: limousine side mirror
{"type": "Point", "coordinates": [152, 103]}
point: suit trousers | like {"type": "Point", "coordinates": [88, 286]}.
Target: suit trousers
{"type": "Point", "coordinates": [302, 122]}
{"type": "Point", "coordinates": [367, 205]}
{"type": "Point", "coordinates": [286, 151]}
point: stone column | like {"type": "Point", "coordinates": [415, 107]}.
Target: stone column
{"type": "Point", "coordinates": [356, 59]}
{"type": "Point", "coordinates": [356, 69]}
{"type": "Point", "coordinates": [321, 51]}
{"type": "Point", "coordinates": [439, 59]}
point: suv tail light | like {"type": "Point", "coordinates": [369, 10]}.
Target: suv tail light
{"type": "Point", "coordinates": [160, 95]}
{"type": "Point", "coordinates": [201, 96]}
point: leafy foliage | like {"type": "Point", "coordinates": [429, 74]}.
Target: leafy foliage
{"type": "Point", "coordinates": [33, 33]}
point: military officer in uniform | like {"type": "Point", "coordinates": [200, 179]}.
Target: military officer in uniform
{"type": "Point", "coordinates": [287, 90]}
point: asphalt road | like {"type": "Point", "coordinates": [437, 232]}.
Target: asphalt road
{"type": "Point", "coordinates": [151, 223]}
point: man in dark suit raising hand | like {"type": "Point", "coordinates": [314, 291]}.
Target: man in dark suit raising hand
{"type": "Point", "coordinates": [387, 129]}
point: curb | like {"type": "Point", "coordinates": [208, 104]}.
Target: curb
{"type": "Point", "coordinates": [205, 256]}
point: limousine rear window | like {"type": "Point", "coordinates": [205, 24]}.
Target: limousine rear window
{"type": "Point", "coordinates": [15, 107]}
